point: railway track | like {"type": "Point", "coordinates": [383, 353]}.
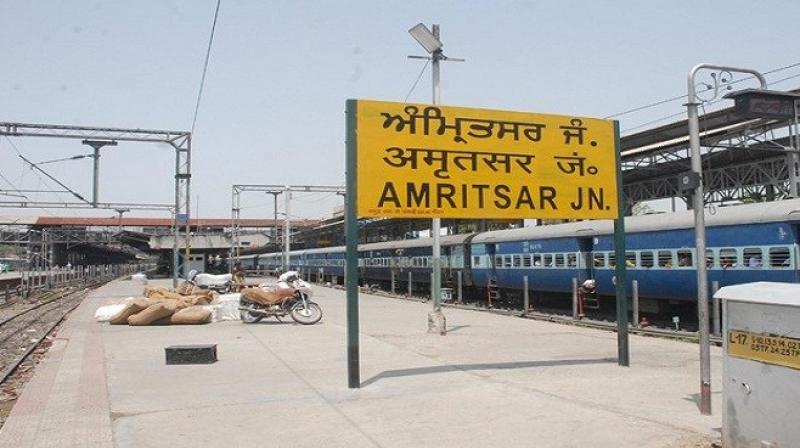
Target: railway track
{"type": "Point", "coordinates": [23, 331]}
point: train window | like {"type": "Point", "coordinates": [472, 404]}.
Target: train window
{"type": "Point", "coordinates": [572, 260]}
{"type": "Point", "coordinates": [685, 258]}
{"type": "Point", "coordinates": [728, 258]}
{"type": "Point", "coordinates": [646, 259]}
{"type": "Point", "coordinates": [599, 260]}
{"type": "Point", "coordinates": [526, 261]}
{"type": "Point", "coordinates": [559, 261]}
{"type": "Point", "coordinates": [752, 257]}
{"type": "Point", "coordinates": [476, 261]}
{"type": "Point", "coordinates": [665, 259]}
{"type": "Point", "coordinates": [612, 259]}
{"type": "Point", "coordinates": [779, 257]}
{"type": "Point", "coordinates": [547, 260]}
{"type": "Point", "coordinates": [517, 261]}
{"type": "Point", "coordinates": [630, 259]}
{"type": "Point", "coordinates": [537, 260]}
{"type": "Point", "coordinates": [498, 261]}
{"type": "Point", "coordinates": [507, 261]}
{"type": "Point", "coordinates": [710, 258]}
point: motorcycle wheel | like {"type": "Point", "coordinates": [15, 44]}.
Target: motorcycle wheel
{"type": "Point", "coordinates": [308, 315]}
{"type": "Point", "coordinates": [249, 318]}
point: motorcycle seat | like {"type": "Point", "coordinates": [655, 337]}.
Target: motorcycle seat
{"type": "Point", "coordinates": [209, 279]}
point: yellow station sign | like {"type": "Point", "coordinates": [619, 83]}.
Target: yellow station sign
{"type": "Point", "coordinates": [778, 350]}
{"type": "Point", "coordinates": [424, 161]}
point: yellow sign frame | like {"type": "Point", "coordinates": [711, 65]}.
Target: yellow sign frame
{"type": "Point", "coordinates": [426, 161]}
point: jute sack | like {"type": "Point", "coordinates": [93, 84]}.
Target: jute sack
{"type": "Point", "coordinates": [185, 288]}
{"type": "Point", "coordinates": [130, 309]}
{"type": "Point", "coordinates": [269, 296]}
{"type": "Point", "coordinates": [166, 295]}
{"type": "Point", "coordinates": [191, 316]}
{"type": "Point", "coordinates": [150, 290]}
{"type": "Point", "coordinates": [152, 313]}
{"type": "Point", "coordinates": [202, 296]}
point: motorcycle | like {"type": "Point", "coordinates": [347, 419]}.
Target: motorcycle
{"type": "Point", "coordinates": [221, 284]}
{"type": "Point", "coordinates": [298, 306]}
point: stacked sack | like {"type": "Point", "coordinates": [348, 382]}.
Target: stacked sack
{"type": "Point", "coordinates": [162, 306]}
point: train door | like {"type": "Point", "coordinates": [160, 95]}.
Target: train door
{"type": "Point", "coordinates": [494, 263]}
{"type": "Point", "coordinates": [467, 265]}
{"type": "Point", "coordinates": [585, 268]}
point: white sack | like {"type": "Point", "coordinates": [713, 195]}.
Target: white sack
{"type": "Point", "coordinates": [105, 313]}
{"type": "Point", "coordinates": [226, 308]}
{"type": "Point", "coordinates": [139, 278]}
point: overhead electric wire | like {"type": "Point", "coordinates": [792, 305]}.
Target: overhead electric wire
{"type": "Point", "coordinates": [678, 97]}
{"type": "Point", "coordinates": [42, 180]}
{"type": "Point", "coordinates": [421, 72]}
{"type": "Point", "coordinates": [785, 79]}
{"type": "Point", "coordinates": [205, 65]}
{"type": "Point", "coordinates": [33, 165]}
{"type": "Point", "coordinates": [13, 187]}
{"type": "Point", "coordinates": [64, 159]}
{"type": "Point", "coordinates": [19, 154]}
{"type": "Point", "coordinates": [716, 101]}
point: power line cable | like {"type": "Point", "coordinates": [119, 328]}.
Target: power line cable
{"type": "Point", "coordinates": [205, 65]}
{"type": "Point", "coordinates": [41, 179]}
{"type": "Point", "coordinates": [62, 185]}
{"type": "Point", "coordinates": [678, 97]}
{"type": "Point", "coordinates": [33, 165]}
{"type": "Point", "coordinates": [785, 79]}
{"type": "Point", "coordinates": [718, 100]}
{"type": "Point", "coordinates": [13, 187]}
{"type": "Point", "coordinates": [421, 72]}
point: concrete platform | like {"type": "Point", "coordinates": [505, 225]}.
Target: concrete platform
{"type": "Point", "coordinates": [492, 381]}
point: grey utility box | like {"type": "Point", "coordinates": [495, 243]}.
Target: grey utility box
{"type": "Point", "coordinates": [761, 372]}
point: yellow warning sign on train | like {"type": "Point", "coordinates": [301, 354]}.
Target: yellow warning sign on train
{"type": "Point", "coordinates": [425, 161]}
{"type": "Point", "coordinates": [778, 350]}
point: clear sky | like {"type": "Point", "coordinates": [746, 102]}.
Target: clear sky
{"type": "Point", "coordinates": [280, 72]}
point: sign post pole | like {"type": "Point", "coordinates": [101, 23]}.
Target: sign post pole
{"type": "Point", "coordinates": [546, 166]}
{"type": "Point", "coordinates": [698, 207]}
{"type": "Point", "coordinates": [436, 321]}
{"type": "Point", "coordinates": [351, 237]}
{"type": "Point", "coordinates": [623, 355]}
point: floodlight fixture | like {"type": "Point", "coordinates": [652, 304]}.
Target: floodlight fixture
{"type": "Point", "coordinates": [426, 38]}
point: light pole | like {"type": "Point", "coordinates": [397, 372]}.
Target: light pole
{"type": "Point", "coordinates": [429, 40]}
{"type": "Point", "coordinates": [696, 180]}
{"type": "Point", "coordinates": [96, 145]}
{"type": "Point", "coordinates": [120, 211]}
{"type": "Point", "coordinates": [274, 215]}
{"type": "Point", "coordinates": [286, 229]}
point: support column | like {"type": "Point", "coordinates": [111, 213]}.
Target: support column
{"type": "Point", "coordinates": [460, 286]}
{"type": "Point", "coordinates": [286, 231]}
{"type": "Point", "coordinates": [526, 300]}
{"type": "Point", "coordinates": [575, 298]}
{"type": "Point", "coordinates": [635, 298]}
{"type": "Point", "coordinates": [716, 312]}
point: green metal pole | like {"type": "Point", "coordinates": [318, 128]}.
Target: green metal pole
{"type": "Point", "coordinates": [351, 237]}
{"type": "Point", "coordinates": [623, 354]}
